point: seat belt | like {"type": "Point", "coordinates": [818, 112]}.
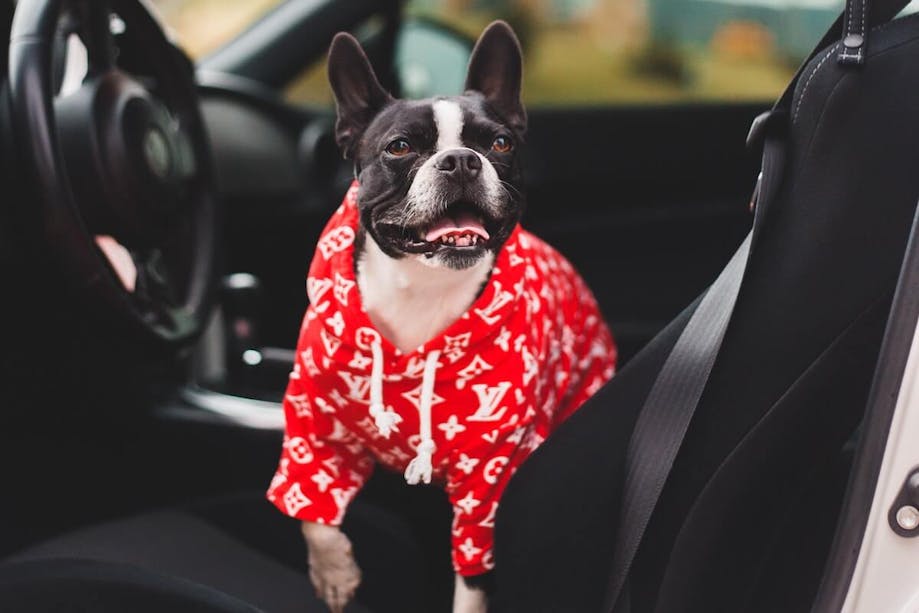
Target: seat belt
{"type": "Point", "coordinates": [671, 403]}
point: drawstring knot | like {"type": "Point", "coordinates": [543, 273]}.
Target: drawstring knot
{"type": "Point", "coordinates": [421, 468]}
{"type": "Point", "coordinates": [386, 420]}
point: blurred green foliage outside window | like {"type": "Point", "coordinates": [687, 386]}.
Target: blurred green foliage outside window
{"type": "Point", "coordinates": [649, 51]}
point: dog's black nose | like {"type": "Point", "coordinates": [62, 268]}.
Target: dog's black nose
{"type": "Point", "coordinates": [460, 164]}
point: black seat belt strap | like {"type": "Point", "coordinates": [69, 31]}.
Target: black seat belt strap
{"type": "Point", "coordinates": [672, 401]}
{"type": "Point", "coordinates": [669, 408]}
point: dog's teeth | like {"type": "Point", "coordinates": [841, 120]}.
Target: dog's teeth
{"type": "Point", "coordinates": [460, 240]}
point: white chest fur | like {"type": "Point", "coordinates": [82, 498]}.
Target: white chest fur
{"type": "Point", "coordinates": [410, 301]}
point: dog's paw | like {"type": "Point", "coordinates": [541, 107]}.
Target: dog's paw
{"type": "Point", "coordinates": [468, 599]}
{"type": "Point", "coordinates": [333, 571]}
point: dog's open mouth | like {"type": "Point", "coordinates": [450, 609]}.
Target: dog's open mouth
{"type": "Point", "coordinates": [463, 228]}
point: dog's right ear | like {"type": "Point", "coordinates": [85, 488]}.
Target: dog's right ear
{"type": "Point", "coordinates": [358, 94]}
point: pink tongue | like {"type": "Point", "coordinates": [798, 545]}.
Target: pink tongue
{"type": "Point", "coordinates": [464, 224]}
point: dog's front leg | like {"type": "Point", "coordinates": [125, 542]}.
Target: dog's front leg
{"type": "Point", "coordinates": [467, 599]}
{"type": "Point", "coordinates": [333, 571]}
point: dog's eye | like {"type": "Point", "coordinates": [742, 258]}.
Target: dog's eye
{"type": "Point", "coordinates": [399, 147]}
{"type": "Point", "coordinates": [502, 144]}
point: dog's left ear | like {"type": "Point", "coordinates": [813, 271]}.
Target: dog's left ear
{"type": "Point", "coordinates": [495, 70]}
{"type": "Point", "coordinates": [358, 94]}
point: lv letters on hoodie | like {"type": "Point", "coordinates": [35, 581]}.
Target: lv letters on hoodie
{"type": "Point", "coordinates": [464, 410]}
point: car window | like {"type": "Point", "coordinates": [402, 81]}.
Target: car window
{"type": "Point", "coordinates": [649, 51]}
{"type": "Point", "coordinates": [201, 26]}
{"type": "Point", "coordinates": [577, 52]}
{"type": "Point", "coordinates": [311, 86]}
{"type": "Point", "coordinates": [598, 52]}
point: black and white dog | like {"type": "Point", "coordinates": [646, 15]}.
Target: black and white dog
{"type": "Point", "coordinates": [442, 340]}
{"type": "Point", "coordinates": [439, 196]}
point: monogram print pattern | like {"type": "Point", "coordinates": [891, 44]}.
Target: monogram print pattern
{"type": "Point", "coordinates": [526, 355]}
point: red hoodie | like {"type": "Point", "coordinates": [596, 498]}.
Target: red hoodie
{"type": "Point", "coordinates": [464, 410]}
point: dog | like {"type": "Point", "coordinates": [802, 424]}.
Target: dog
{"type": "Point", "coordinates": [442, 339]}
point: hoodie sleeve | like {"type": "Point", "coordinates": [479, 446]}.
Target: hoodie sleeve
{"type": "Point", "coordinates": [475, 484]}
{"type": "Point", "coordinates": [322, 465]}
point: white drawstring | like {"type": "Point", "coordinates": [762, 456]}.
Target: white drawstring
{"type": "Point", "coordinates": [421, 468]}
{"type": "Point", "coordinates": [386, 421]}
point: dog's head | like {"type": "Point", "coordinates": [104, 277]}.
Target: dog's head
{"type": "Point", "coordinates": [439, 178]}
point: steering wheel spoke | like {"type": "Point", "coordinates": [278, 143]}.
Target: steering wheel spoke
{"type": "Point", "coordinates": [95, 17]}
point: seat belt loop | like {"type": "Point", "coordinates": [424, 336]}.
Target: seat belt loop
{"type": "Point", "coordinates": [854, 34]}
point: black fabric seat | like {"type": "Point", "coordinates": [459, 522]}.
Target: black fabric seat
{"type": "Point", "coordinates": [786, 393]}
{"type": "Point", "coordinates": [87, 585]}
{"type": "Point", "coordinates": [164, 546]}
{"type": "Point", "coordinates": [232, 554]}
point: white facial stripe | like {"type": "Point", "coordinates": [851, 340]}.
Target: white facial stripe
{"type": "Point", "coordinates": [425, 195]}
{"type": "Point", "coordinates": [448, 117]}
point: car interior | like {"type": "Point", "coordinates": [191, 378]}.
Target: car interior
{"type": "Point", "coordinates": [139, 430]}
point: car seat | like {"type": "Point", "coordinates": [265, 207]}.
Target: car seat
{"type": "Point", "coordinates": [746, 516]}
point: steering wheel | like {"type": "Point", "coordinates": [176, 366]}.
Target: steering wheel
{"type": "Point", "coordinates": [121, 166]}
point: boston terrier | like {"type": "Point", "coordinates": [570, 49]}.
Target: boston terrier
{"type": "Point", "coordinates": [442, 340]}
